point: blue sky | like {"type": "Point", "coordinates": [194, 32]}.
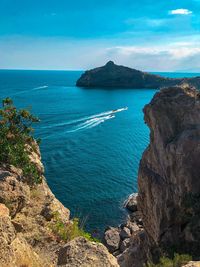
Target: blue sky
{"type": "Point", "coordinates": [162, 35]}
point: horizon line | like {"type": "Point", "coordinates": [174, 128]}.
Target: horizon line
{"type": "Point", "coordinates": [18, 69]}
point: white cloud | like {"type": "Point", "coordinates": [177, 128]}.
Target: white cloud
{"type": "Point", "coordinates": [180, 11]}
{"type": "Point", "coordinates": [180, 53]}
{"type": "Point", "coordinates": [172, 57]}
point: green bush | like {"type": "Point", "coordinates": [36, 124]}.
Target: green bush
{"type": "Point", "coordinates": [16, 140]}
{"type": "Point", "coordinates": [69, 230]}
{"type": "Point", "coordinates": [177, 261]}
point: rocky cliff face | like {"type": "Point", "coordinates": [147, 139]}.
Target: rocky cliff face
{"type": "Point", "coordinates": [114, 76]}
{"type": "Point", "coordinates": [169, 173]}
{"type": "Point", "coordinates": [28, 219]}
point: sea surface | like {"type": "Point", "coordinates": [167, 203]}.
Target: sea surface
{"type": "Point", "coordinates": [92, 139]}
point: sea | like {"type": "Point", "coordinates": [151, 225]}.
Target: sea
{"type": "Point", "coordinates": [92, 139]}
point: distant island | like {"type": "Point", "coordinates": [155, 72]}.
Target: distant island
{"type": "Point", "coordinates": [115, 76]}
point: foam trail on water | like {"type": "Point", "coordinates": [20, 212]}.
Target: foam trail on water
{"type": "Point", "coordinates": [92, 123]}
{"type": "Point", "coordinates": [100, 121]}
{"type": "Point", "coordinates": [29, 90]}
{"type": "Point", "coordinates": [40, 87]}
{"type": "Point", "coordinates": [86, 119]}
{"type": "Point", "coordinates": [79, 120]}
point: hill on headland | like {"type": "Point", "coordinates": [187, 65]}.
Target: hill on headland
{"type": "Point", "coordinates": [115, 76]}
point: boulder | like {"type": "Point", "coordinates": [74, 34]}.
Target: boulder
{"type": "Point", "coordinates": [112, 239]}
{"type": "Point", "coordinates": [125, 233]}
{"type": "Point", "coordinates": [83, 253]}
{"type": "Point", "coordinates": [132, 226]}
{"type": "Point", "coordinates": [134, 251]}
{"type": "Point", "coordinates": [131, 203]}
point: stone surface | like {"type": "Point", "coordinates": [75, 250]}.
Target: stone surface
{"type": "Point", "coordinates": [125, 233]}
{"type": "Point", "coordinates": [112, 239]}
{"type": "Point", "coordinates": [132, 226]}
{"type": "Point", "coordinates": [82, 253]}
{"type": "Point", "coordinates": [125, 244]}
{"type": "Point", "coordinates": [136, 252]}
{"type": "Point", "coordinates": [13, 192]}
{"type": "Point", "coordinates": [4, 211]}
{"type": "Point", "coordinates": [169, 173]}
{"type": "Point", "coordinates": [112, 75]}
{"type": "Point", "coordinates": [14, 250]}
{"type": "Point", "coordinates": [193, 264]}
{"type": "Point", "coordinates": [131, 202]}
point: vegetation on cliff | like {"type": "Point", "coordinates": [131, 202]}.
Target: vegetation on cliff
{"type": "Point", "coordinates": [177, 261]}
{"type": "Point", "coordinates": [69, 230]}
{"type": "Point", "coordinates": [16, 140]}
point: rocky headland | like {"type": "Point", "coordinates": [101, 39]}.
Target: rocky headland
{"type": "Point", "coordinates": [115, 76]}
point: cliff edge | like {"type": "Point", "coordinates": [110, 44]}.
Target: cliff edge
{"type": "Point", "coordinates": [34, 226]}
{"type": "Point", "coordinates": [115, 76]}
{"type": "Point", "coordinates": [169, 173]}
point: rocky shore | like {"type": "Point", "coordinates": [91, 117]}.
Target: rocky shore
{"type": "Point", "coordinates": [115, 76]}
{"type": "Point", "coordinates": [127, 242]}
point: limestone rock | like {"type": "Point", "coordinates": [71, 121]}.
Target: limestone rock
{"type": "Point", "coordinates": [4, 211]}
{"type": "Point", "coordinates": [132, 226]}
{"type": "Point", "coordinates": [125, 233]}
{"type": "Point", "coordinates": [13, 192]}
{"type": "Point", "coordinates": [125, 244]}
{"type": "Point", "coordinates": [136, 251]}
{"type": "Point", "coordinates": [112, 239]}
{"type": "Point", "coordinates": [82, 253]}
{"type": "Point", "coordinates": [14, 250]}
{"type": "Point", "coordinates": [193, 264]}
{"type": "Point", "coordinates": [169, 184]}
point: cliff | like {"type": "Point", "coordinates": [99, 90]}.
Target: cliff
{"type": "Point", "coordinates": [114, 76]}
{"type": "Point", "coordinates": [33, 222]}
{"type": "Point", "coordinates": [169, 173]}
{"type": "Point", "coordinates": [164, 217]}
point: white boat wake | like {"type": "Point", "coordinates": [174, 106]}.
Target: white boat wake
{"type": "Point", "coordinates": [92, 123]}
{"type": "Point", "coordinates": [40, 87]}
{"type": "Point", "coordinates": [94, 120]}
{"type": "Point", "coordinates": [29, 90]}
{"type": "Point", "coordinates": [88, 120]}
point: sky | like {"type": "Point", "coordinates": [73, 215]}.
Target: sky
{"type": "Point", "coordinates": [162, 35]}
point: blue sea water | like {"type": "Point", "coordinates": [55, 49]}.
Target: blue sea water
{"type": "Point", "coordinates": [91, 144]}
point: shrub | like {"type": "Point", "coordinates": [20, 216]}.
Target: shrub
{"type": "Point", "coordinates": [16, 140]}
{"type": "Point", "coordinates": [69, 230]}
{"type": "Point", "coordinates": [177, 261]}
